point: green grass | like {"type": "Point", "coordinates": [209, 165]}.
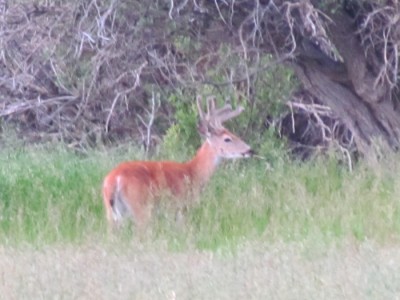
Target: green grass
{"type": "Point", "coordinates": [50, 194]}
{"type": "Point", "coordinates": [53, 195]}
{"type": "Point", "coordinates": [296, 231]}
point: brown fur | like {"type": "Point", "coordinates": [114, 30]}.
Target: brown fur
{"type": "Point", "coordinates": [132, 186]}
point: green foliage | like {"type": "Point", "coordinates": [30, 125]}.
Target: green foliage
{"type": "Point", "coordinates": [49, 194]}
{"type": "Point", "coordinates": [186, 44]}
{"type": "Point", "coordinates": [181, 139]}
{"type": "Point", "coordinates": [271, 89]}
{"type": "Point", "coordinates": [272, 149]}
{"type": "Point", "coordinates": [173, 146]}
{"type": "Point", "coordinates": [263, 93]}
{"type": "Point", "coordinates": [42, 196]}
{"type": "Point", "coordinates": [186, 118]}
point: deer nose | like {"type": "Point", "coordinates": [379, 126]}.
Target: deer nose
{"type": "Point", "coordinates": [252, 152]}
{"type": "Point", "coordinates": [249, 153]}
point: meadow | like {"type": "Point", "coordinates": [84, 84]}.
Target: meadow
{"type": "Point", "coordinates": [263, 229]}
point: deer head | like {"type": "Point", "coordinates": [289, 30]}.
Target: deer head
{"type": "Point", "coordinates": [224, 142]}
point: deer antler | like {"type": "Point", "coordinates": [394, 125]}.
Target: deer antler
{"type": "Point", "coordinates": [214, 118]}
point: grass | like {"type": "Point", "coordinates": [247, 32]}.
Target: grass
{"type": "Point", "coordinates": [50, 194]}
{"type": "Point", "coordinates": [256, 271]}
{"type": "Point", "coordinates": [255, 233]}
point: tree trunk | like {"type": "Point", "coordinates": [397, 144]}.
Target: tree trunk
{"type": "Point", "coordinates": [360, 85]}
{"type": "Point", "coordinates": [350, 87]}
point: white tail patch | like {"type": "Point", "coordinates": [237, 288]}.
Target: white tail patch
{"type": "Point", "coordinates": [119, 207]}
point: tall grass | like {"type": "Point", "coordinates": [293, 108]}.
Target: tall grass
{"type": "Point", "coordinates": [51, 194]}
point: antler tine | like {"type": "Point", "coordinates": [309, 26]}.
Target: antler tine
{"type": "Point", "coordinates": [223, 110]}
{"type": "Point", "coordinates": [231, 114]}
{"type": "Point", "coordinates": [225, 113]}
{"type": "Point", "coordinates": [211, 105]}
{"type": "Point", "coordinates": [216, 116]}
{"type": "Point", "coordinates": [200, 110]}
{"type": "Point", "coordinates": [213, 113]}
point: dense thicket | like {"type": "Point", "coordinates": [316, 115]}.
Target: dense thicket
{"type": "Point", "coordinates": [93, 71]}
{"type": "Point", "coordinates": [345, 53]}
{"type": "Point", "coordinates": [89, 71]}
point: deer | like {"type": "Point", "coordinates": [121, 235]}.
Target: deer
{"type": "Point", "coordinates": [131, 188]}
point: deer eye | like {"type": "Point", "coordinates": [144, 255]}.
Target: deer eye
{"type": "Point", "coordinates": [227, 140]}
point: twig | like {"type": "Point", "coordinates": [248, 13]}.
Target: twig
{"type": "Point", "coordinates": [149, 124]}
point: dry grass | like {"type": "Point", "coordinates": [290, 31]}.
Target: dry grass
{"type": "Point", "coordinates": [292, 231]}
{"type": "Point", "coordinates": [256, 271]}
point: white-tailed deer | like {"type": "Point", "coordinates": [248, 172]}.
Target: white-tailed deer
{"type": "Point", "coordinates": [130, 188]}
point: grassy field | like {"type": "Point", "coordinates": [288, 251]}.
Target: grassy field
{"type": "Point", "coordinates": [262, 230]}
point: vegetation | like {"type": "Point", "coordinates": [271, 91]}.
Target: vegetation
{"type": "Point", "coordinates": [52, 195]}
{"type": "Point", "coordinates": [262, 222]}
{"type": "Point", "coordinates": [81, 77]}
{"type": "Point", "coordinates": [110, 70]}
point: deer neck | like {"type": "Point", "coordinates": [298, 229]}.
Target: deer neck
{"type": "Point", "coordinates": [204, 164]}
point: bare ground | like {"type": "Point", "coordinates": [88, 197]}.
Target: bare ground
{"type": "Point", "coordinates": [256, 271]}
